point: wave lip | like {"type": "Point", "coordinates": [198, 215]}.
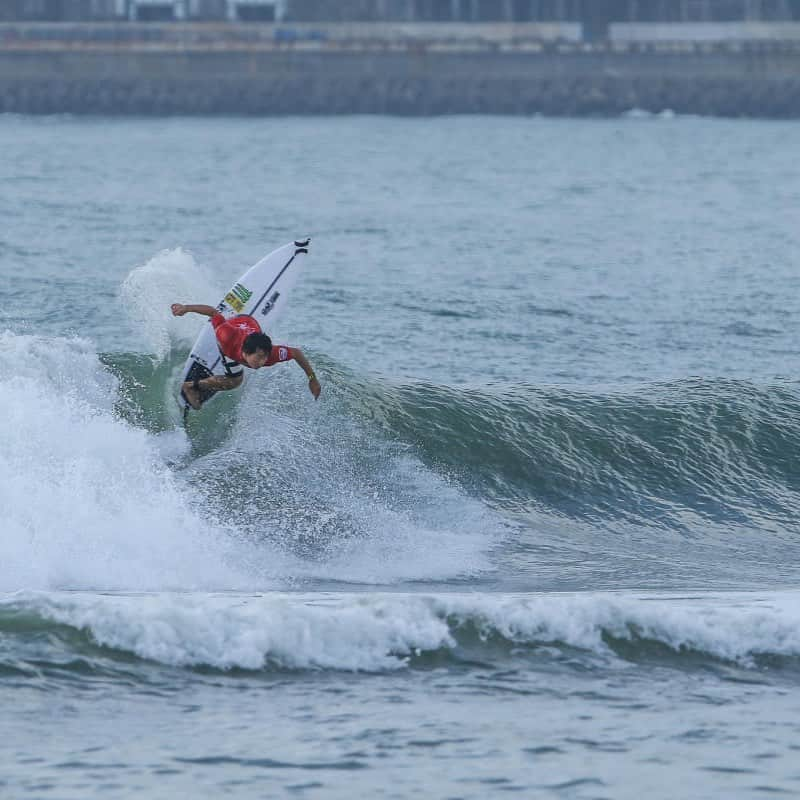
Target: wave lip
{"type": "Point", "coordinates": [384, 632]}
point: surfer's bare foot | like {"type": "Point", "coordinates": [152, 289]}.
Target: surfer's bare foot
{"type": "Point", "coordinates": [191, 394]}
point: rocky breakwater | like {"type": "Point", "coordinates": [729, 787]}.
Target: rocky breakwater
{"type": "Point", "coordinates": [273, 69]}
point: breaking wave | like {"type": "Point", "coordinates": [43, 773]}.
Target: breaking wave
{"type": "Point", "coordinates": [379, 632]}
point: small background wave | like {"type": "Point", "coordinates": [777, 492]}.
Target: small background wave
{"type": "Point", "coordinates": [95, 635]}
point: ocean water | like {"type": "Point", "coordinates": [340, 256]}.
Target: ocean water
{"type": "Point", "coordinates": [539, 535]}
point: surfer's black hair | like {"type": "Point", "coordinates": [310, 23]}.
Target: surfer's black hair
{"type": "Point", "coordinates": [257, 341]}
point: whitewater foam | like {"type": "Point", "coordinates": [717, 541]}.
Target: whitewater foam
{"type": "Point", "coordinates": [88, 500]}
{"type": "Point", "coordinates": [379, 632]}
{"type": "Point", "coordinates": [372, 511]}
{"type": "Point", "coordinates": [94, 502]}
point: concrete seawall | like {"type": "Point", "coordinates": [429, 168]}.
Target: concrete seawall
{"type": "Point", "coordinates": [203, 70]}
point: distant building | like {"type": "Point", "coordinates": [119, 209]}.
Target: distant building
{"type": "Point", "coordinates": [142, 10]}
{"type": "Point", "coordinates": [205, 10]}
{"type": "Point", "coordinates": [437, 10]}
{"type": "Point", "coordinates": [595, 14]}
{"type": "Point", "coordinates": [544, 10]}
{"type": "Point", "coordinates": [60, 10]}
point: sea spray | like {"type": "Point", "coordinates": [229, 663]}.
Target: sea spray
{"type": "Point", "coordinates": [88, 499]}
{"type": "Point", "coordinates": [171, 276]}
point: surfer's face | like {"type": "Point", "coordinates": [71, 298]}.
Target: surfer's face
{"type": "Point", "coordinates": [257, 359]}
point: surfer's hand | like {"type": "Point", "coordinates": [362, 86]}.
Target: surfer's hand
{"type": "Point", "coordinates": [178, 310]}
{"type": "Point", "coordinates": [314, 387]}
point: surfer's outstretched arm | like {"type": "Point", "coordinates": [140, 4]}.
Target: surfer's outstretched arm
{"type": "Point", "coordinates": [178, 310]}
{"type": "Point", "coordinates": [313, 384]}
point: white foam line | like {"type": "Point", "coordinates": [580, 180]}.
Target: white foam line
{"type": "Point", "coordinates": [379, 632]}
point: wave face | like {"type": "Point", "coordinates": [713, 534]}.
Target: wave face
{"type": "Point", "coordinates": [379, 483]}
{"type": "Point", "coordinates": [377, 633]}
{"type": "Point", "coordinates": [664, 455]}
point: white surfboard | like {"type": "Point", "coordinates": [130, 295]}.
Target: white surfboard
{"type": "Point", "coordinates": [262, 293]}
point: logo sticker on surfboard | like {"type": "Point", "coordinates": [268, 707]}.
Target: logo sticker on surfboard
{"type": "Point", "coordinates": [270, 304]}
{"type": "Point", "coordinates": [237, 297]}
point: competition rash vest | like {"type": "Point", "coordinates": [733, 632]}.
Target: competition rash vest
{"type": "Point", "coordinates": [232, 332]}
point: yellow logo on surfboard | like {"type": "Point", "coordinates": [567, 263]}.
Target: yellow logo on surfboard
{"type": "Point", "coordinates": [237, 297]}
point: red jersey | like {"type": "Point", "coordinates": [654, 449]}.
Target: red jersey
{"type": "Point", "coordinates": [279, 352]}
{"type": "Point", "coordinates": [232, 332]}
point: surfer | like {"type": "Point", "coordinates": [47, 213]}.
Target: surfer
{"type": "Point", "coordinates": [242, 343]}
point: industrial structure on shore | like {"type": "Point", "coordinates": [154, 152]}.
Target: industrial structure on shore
{"type": "Point", "coordinates": [590, 13]}
{"type": "Point", "coordinates": [718, 57]}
